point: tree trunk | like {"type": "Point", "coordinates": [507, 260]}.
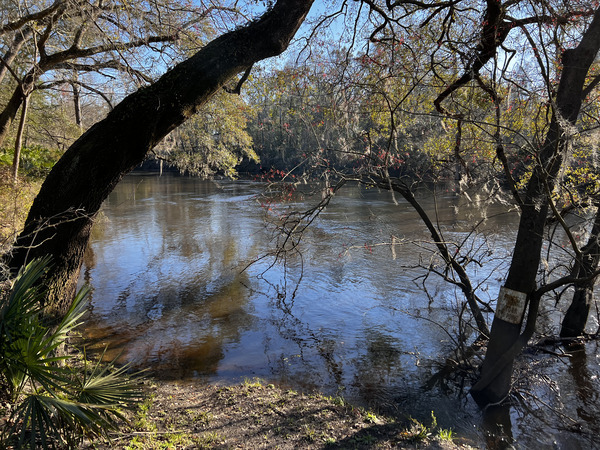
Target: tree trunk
{"type": "Point", "coordinates": [504, 344]}
{"type": "Point", "coordinates": [12, 108]}
{"type": "Point", "coordinates": [19, 142]}
{"type": "Point", "coordinates": [62, 214]}
{"type": "Point", "coordinates": [20, 37]}
{"type": "Point", "coordinates": [77, 101]}
{"type": "Point", "coordinates": [576, 317]}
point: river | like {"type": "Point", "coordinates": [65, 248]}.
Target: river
{"type": "Point", "coordinates": [173, 291]}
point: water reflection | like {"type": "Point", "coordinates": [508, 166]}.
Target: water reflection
{"type": "Point", "coordinates": [497, 426]}
{"type": "Point", "coordinates": [169, 293]}
{"type": "Point", "coordinates": [172, 332]}
{"type": "Point", "coordinates": [587, 395]}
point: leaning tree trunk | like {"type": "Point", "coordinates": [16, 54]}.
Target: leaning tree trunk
{"type": "Point", "coordinates": [576, 317]}
{"type": "Point", "coordinates": [505, 339]}
{"type": "Point", "coordinates": [13, 50]}
{"type": "Point", "coordinates": [20, 94]}
{"type": "Point", "coordinates": [8, 115]}
{"type": "Point", "coordinates": [62, 214]}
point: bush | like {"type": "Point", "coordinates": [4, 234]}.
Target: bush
{"type": "Point", "coordinates": [15, 201]}
{"type": "Point", "coordinates": [53, 400]}
{"type": "Point", "coordinates": [36, 161]}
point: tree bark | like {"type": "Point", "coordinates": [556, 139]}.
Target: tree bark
{"type": "Point", "coordinates": [8, 115]}
{"type": "Point", "coordinates": [526, 256]}
{"type": "Point", "coordinates": [62, 214]}
{"type": "Point", "coordinates": [19, 141]}
{"type": "Point", "coordinates": [576, 317]}
{"type": "Point", "coordinates": [77, 102]}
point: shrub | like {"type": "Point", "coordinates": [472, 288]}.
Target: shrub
{"type": "Point", "coordinates": [36, 161]}
{"type": "Point", "coordinates": [54, 398]}
{"type": "Point", "coordinates": [15, 201]}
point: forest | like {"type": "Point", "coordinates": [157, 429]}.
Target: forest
{"type": "Point", "coordinates": [491, 103]}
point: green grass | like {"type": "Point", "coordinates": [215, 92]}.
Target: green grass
{"type": "Point", "coordinates": [445, 434]}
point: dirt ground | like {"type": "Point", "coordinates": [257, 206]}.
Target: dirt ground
{"type": "Point", "coordinates": [255, 415]}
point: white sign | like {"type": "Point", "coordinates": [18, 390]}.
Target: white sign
{"type": "Point", "coordinates": [511, 305]}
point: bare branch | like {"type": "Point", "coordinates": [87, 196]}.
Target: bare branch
{"type": "Point", "coordinates": [493, 33]}
{"type": "Point", "coordinates": [19, 23]}
{"type": "Point", "coordinates": [590, 87]}
{"type": "Point", "coordinates": [101, 65]}
{"type": "Point", "coordinates": [77, 83]}
{"type": "Point", "coordinates": [73, 53]}
{"type": "Point", "coordinates": [238, 88]}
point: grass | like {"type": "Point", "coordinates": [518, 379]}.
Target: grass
{"type": "Point", "coordinates": [329, 441]}
{"type": "Point", "coordinates": [168, 441]}
{"type": "Point", "coordinates": [336, 400]}
{"type": "Point", "coordinates": [202, 418]}
{"type": "Point", "coordinates": [142, 422]}
{"type": "Point", "coordinates": [206, 440]}
{"type": "Point", "coordinates": [419, 432]}
{"type": "Point", "coordinates": [370, 417]}
{"type": "Point", "coordinates": [445, 434]}
{"type": "Point", "coordinates": [253, 383]}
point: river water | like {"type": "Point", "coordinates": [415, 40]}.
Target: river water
{"type": "Point", "coordinates": [173, 291]}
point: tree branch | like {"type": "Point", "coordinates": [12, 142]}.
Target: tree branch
{"type": "Point", "coordinates": [97, 66]}
{"type": "Point", "coordinates": [73, 53]}
{"type": "Point", "coordinates": [19, 23]}
{"type": "Point", "coordinates": [238, 88]}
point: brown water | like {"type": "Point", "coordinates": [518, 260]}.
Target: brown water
{"type": "Point", "coordinates": [169, 291]}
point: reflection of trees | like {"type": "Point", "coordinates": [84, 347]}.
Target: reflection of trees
{"type": "Point", "coordinates": [497, 427]}
{"type": "Point", "coordinates": [378, 366]}
{"type": "Point", "coordinates": [185, 300]}
{"type": "Point", "coordinates": [587, 392]}
{"type": "Point", "coordinates": [89, 262]}
{"type": "Point", "coordinates": [364, 228]}
{"type": "Point", "coordinates": [182, 332]}
{"type": "Point", "coordinates": [216, 323]}
{"type": "Point", "coordinates": [308, 342]}
{"type": "Point", "coordinates": [553, 407]}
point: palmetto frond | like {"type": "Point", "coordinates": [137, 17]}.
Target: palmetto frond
{"type": "Point", "coordinates": [54, 405]}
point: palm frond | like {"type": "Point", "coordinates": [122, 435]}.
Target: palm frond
{"type": "Point", "coordinates": [55, 405]}
{"type": "Point", "coordinates": [72, 318]}
{"type": "Point", "coordinates": [111, 386]}
{"type": "Point", "coordinates": [20, 310]}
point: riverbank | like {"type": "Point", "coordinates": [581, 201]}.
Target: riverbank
{"type": "Point", "coordinates": [255, 415]}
